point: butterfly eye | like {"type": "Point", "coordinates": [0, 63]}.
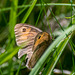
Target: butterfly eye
{"type": "Point", "coordinates": [39, 37]}
{"type": "Point", "coordinates": [24, 29]}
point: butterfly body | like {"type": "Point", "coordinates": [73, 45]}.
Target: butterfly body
{"type": "Point", "coordinates": [33, 41]}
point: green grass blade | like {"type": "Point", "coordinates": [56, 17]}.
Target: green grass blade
{"type": "Point", "coordinates": [8, 55]}
{"type": "Point", "coordinates": [29, 11]}
{"type": "Point", "coordinates": [47, 4]}
{"type": "Point", "coordinates": [13, 14]}
{"type": "Point", "coordinates": [23, 58]}
{"type": "Point", "coordinates": [71, 11]}
{"type": "Point", "coordinates": [1, 72]}
{"type": "Point", "coordinates": [56, 56]}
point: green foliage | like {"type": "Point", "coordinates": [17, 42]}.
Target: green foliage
{"type": "Point", "coordinates": [40, 13]}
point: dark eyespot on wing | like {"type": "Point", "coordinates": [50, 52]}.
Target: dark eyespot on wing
{"type": "Point", "coordinates": [39, 37]}
{"type": "Point", "coordinates": [24, 30]}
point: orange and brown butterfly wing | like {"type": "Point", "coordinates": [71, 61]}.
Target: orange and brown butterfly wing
{"type": "Point", "coordinates": [25, 35]}
{"type": "Point", "coordinates": [42, 41]}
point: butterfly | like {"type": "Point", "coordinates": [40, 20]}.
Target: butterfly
{"type": "Point", "coordinates": [34, 42]}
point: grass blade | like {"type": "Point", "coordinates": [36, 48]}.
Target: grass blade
{"type": "Point", "coordinates": [29, 11]}
{"type": "Point", "coordinates": [8, 55]}
{"type": "Point", "coordinates": [56, 56]}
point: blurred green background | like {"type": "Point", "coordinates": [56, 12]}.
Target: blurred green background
{"type": "Point", "coordinates": [44, 14]}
